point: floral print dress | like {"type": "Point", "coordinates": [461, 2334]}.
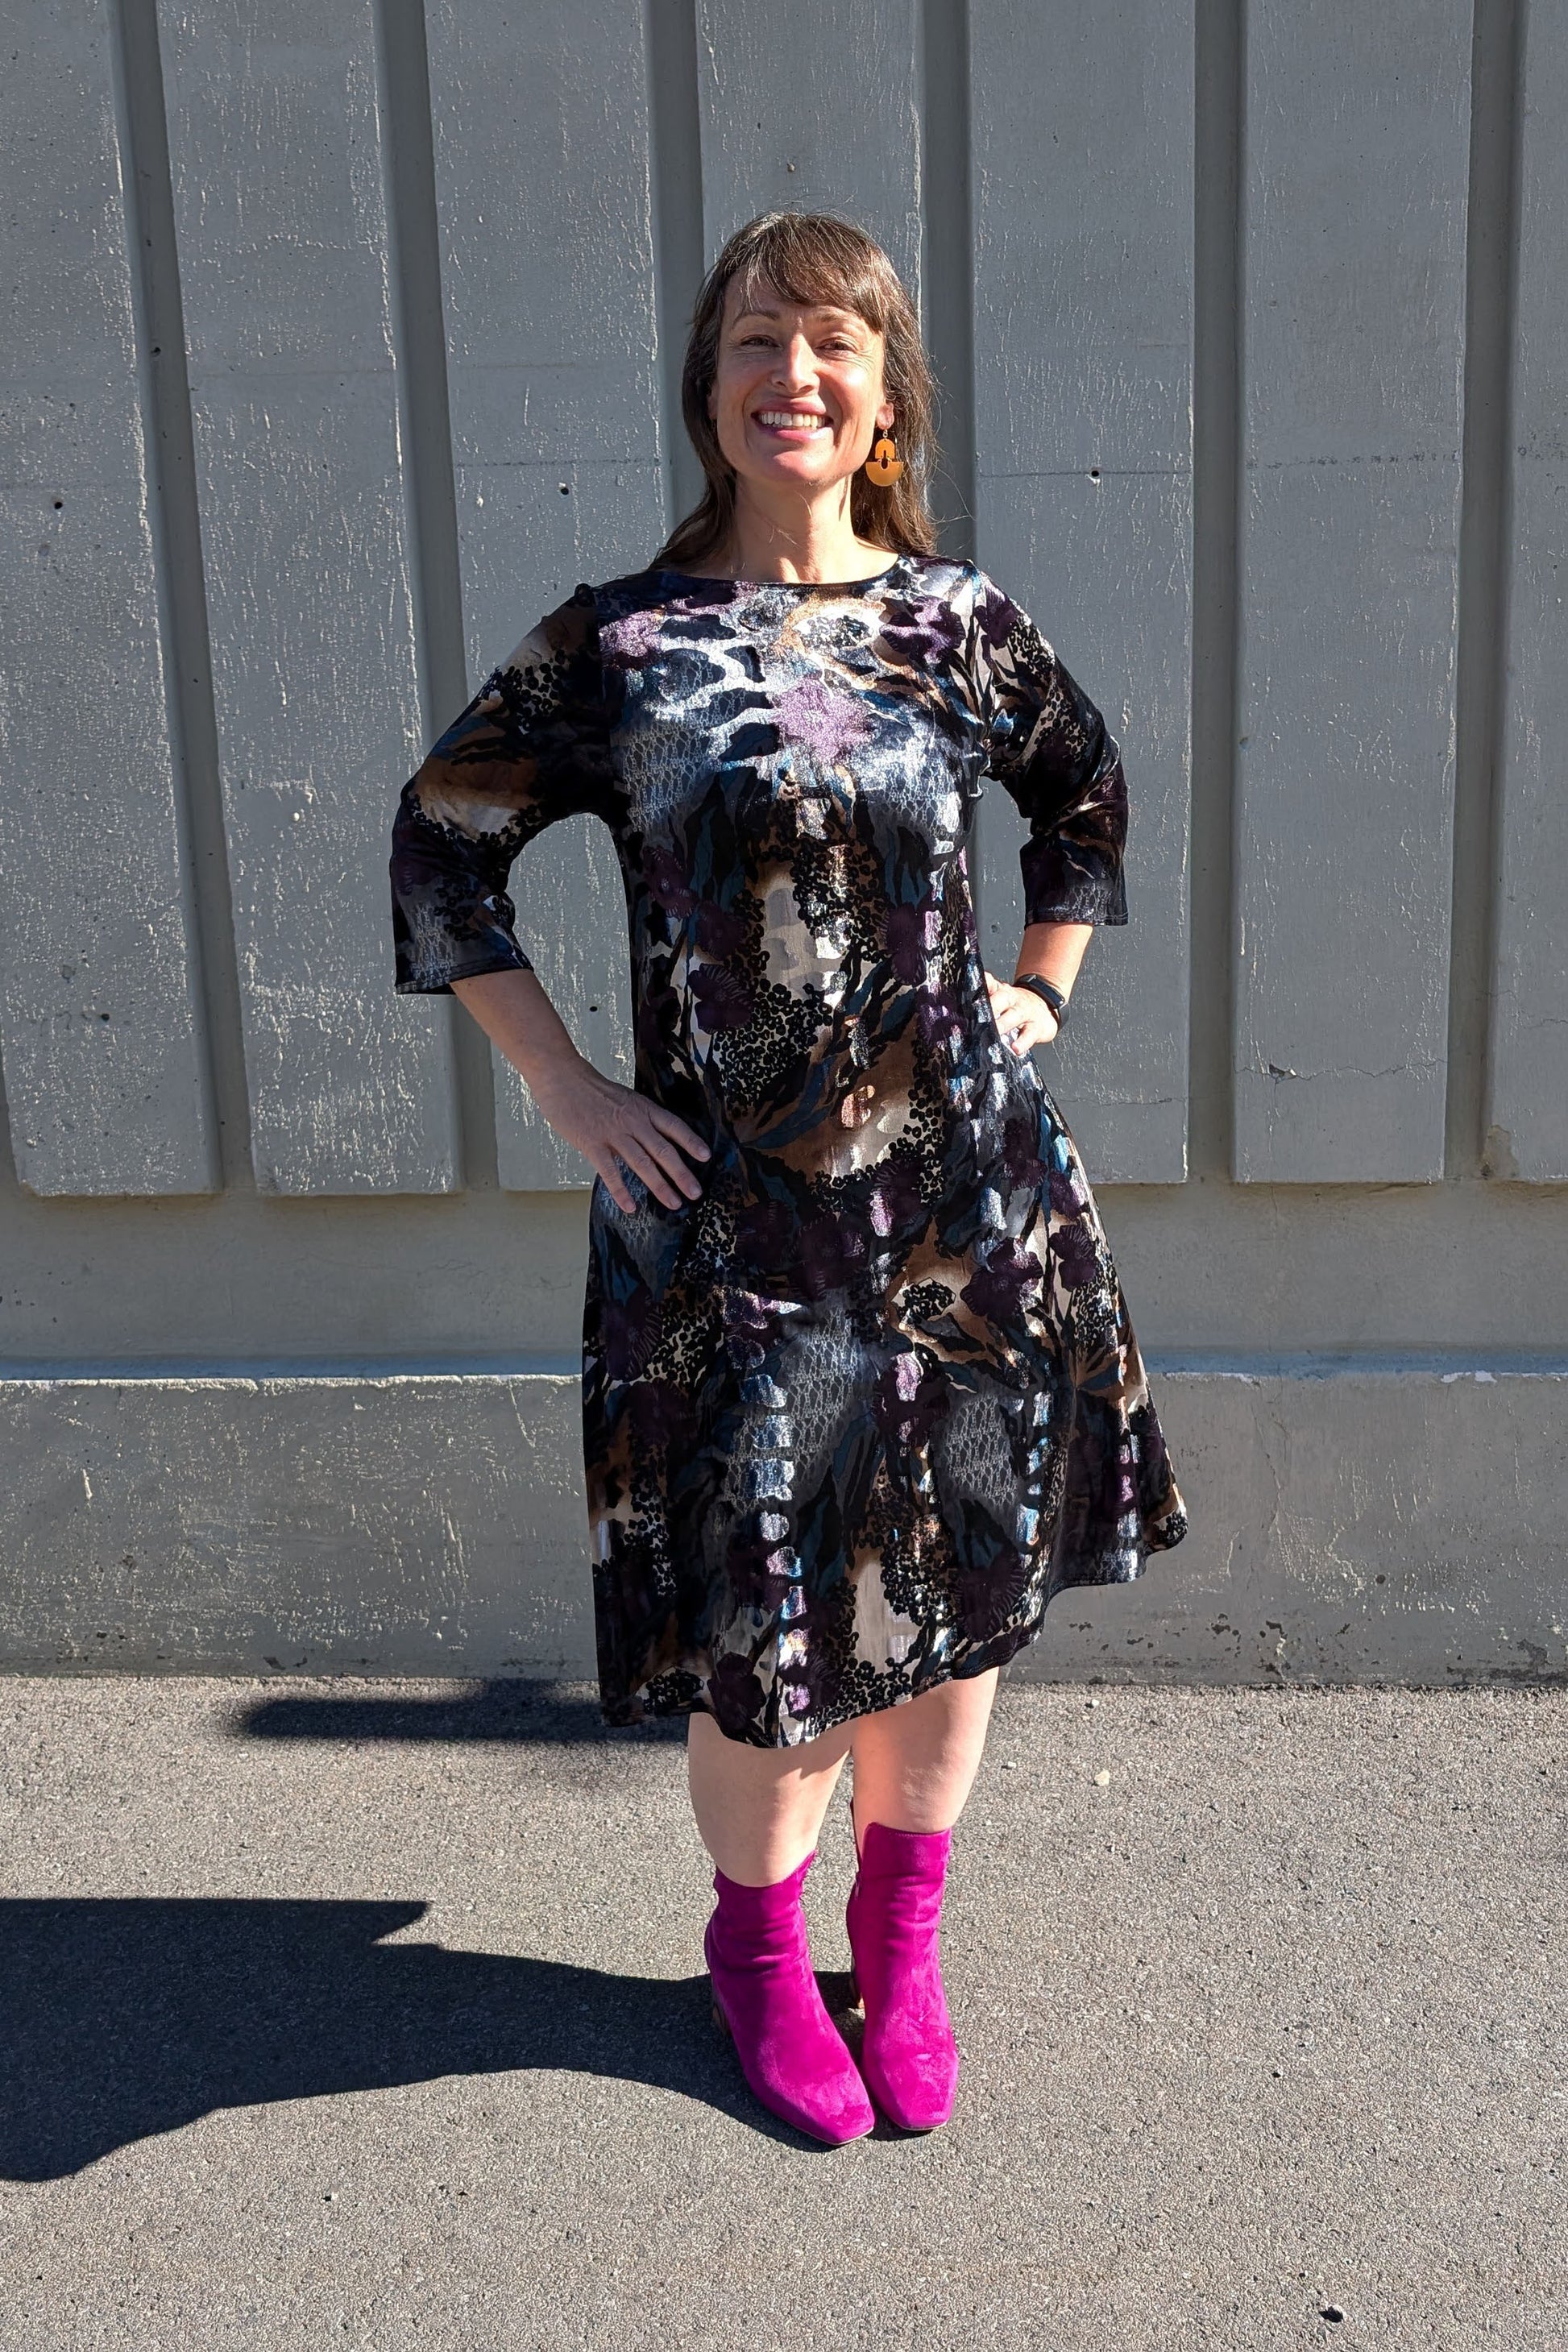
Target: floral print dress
{"type": "Point", "coordinates": [854, 1415]}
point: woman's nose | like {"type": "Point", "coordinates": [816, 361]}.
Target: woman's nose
{"type": "Point", "coordinates": [797, 364]}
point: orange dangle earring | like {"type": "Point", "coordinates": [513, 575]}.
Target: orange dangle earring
{"type": "Point", "coordinates": [884, 466]}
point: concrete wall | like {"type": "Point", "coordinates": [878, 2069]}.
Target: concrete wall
{"type": "Point", "coordinates": [348, 341]}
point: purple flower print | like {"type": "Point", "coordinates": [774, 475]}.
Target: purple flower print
{"type": "Point", "coordinates": [931, 629]}
{"type": "Point", "coordinates": [1022, 1158]}
{"type": "Point", "coordinates": [907, 943]}
{"type": "Point", "coordinates": [658, 1019]}
{"type": "Point", "coordinates": [909, 1399]}
{"type": "Point", "coordinates": [748, 1330]}
{"type": "Point", "coordinates": [937, 1016]}
{"type": "Point", "coordinates": [823, 719]}
{"type": "Point", "coordinates": [760, 1571]}
{"type": "Point", "coordinates": [829, 1252]}
{"type": "Point", "coordinates": [734, 1694]}
{"type": "Point", "coordinates": [988, 1591]}
{"type": "Point", "coordinates": [628, 1331]}
{"type": "Point", "coordinates": [1072, 1246]}
{"type": "Point", "coordinates": [1066, 1199]}
{"type": "Point", "coordinates": [996, 1288]}
{"type": "Point", "coordinates": [763, 1232]}
{"type": "Point", "coordinates": [996, 615]}
{"type": "Point", "coordinates": [722, 1001]}
{"type": "Point", "coordinates": [896, 1197]}
{"type": "Point", "coordinates": [629, 642]}
{"type": "Point", "coordinates": [719, 931]}
{"type": "Point", "coordinates": [666, 879]}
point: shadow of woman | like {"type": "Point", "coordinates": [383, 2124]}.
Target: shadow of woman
{"type": "Point", "coordinates": [125, 2019]}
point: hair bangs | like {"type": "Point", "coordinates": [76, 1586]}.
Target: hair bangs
{"type": "Point", "coordinates": [801, 257]}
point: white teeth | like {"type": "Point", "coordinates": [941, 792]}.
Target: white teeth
{"type": "Point", "coordinates": [806, 418]}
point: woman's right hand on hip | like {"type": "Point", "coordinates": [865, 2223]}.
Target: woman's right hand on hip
{"type": "Point", "coordinates": [614, 1127]}
{"type": "Point", "coordinates": [618, 1129]}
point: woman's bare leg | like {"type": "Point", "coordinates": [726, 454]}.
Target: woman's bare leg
{"type": "Point", "coordinates": [915, 1764]}
{"type": "Point", "coordinates": [760, 1810]}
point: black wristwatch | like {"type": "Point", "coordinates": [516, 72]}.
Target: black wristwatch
{"type": "Point", "coordinates": [1054, 996]}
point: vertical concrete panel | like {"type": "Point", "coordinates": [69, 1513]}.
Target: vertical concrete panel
{"type": "Point", "coordinates": [1082, 140]}
{"type": "Point", "coordinates": [543, 190]}
{"type": "Point", "coordinates": [274, 150]}
{"type": "Point", "coordinates": [100, 1022]}
{"type": "Point", "coordinates": [1354, 184]}
{"type": "Point", "coordinates": [809, 108]}
{"type": "Point", "coordinates": [1528, 1105]}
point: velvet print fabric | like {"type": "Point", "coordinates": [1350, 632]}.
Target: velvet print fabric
{"type": "Point", "coordinates": [855, 1414]}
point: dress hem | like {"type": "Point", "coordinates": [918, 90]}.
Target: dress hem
{"type": "Point", "coordinates": [622, 1714]}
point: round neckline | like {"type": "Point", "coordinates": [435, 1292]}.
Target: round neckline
{"type": "Point", "coordinates": [821, 587]}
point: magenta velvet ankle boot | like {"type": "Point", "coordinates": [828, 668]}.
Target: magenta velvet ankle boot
{"type": "Point", "coordinates": [766, 1998]}
{"type": "Point", "coordinates": [909, 2057]}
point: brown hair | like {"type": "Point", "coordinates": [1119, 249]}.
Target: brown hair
{"type": "Point", "coordinates": [813, 257]}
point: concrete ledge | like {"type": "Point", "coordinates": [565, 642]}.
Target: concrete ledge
{"type": "Point", "coordinates": [1348, 1525]}
{"type": "Point", "coordinates": [410, 1523]}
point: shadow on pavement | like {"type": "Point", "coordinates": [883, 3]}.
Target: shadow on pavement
{"type": "Point", "coordinates": [124, 2019]}
{"type": "Point", "coordinates": [496, 1710]}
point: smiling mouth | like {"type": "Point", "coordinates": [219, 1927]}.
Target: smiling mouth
{"type": "Point", "coordinates": [792, 420]}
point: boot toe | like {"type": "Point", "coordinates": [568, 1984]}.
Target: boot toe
{"type": "Point", "coordinates": [834, 2115]}
{"type": "Point", "coordinates": [799, 2065]}
{"type": "Point", "coordinates": [914, 2084]}
{"type": "Point", "coordinates": [820, 2092]}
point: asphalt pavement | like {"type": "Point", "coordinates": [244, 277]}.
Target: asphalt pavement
{"type": "Point", "coordinates": [368, 2014]}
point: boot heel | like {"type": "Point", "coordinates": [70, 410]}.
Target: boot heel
{"type": "Point", "coordinates": [719, 2020]}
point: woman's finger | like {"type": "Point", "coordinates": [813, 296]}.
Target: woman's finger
{"type": "Point", "coordinates": [668, 1150]}
{"type": "Point", "coordinates": [610, 1175]}
{"type": "Point", "coordinates": [1023, 1019]}
{"type": "Point", "coordinates": [672, 1125]}
{"type": "Point", "coordinates": [667, 1156]}
{"type": "Point", "coordinates": [650, 1131]}
{"type": "Point", "coordinates": [642, 1163]}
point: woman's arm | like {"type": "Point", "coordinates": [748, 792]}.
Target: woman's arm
{"type": "Point", "coordinates": [529, 749]}
{"type": "Point", "coordinates": [1052, 751]}
{"type": "Point", "coordinates": [613, 1127]}
{"type": "Point", "coordinates": [1052, 951]}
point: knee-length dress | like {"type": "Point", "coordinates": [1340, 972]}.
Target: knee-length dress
{"type": "Point", "coordinates": [854, 1414]}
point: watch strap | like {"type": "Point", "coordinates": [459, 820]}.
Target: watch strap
{"type": "Point", "coordinates": [1047, 990]}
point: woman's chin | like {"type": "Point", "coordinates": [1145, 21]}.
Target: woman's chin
{"type": "Point", "coordinates": [795, 469]}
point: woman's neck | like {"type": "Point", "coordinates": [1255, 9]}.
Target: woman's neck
{"type": "Point", "coordinates": [803, 543]}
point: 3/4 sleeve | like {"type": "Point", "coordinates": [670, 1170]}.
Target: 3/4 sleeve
{"type": "Point", "coordinates": [531, 747]}
{"type": "Point", "coordinates": [1049, 748]}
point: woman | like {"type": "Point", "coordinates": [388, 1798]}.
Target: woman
{"type": "Point", "coordinates": [860, 1392]}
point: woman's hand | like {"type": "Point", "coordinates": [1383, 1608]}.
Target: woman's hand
{"type": "Point", "coordinates": [1025, 1019]}
{"type": "Point", "coordinates": [617, 1129]}
{"type": "Point", "coordinates": [610, 1125]}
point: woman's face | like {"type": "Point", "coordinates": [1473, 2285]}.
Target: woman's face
{"type": "Point", "coordinates": [796, 399]}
